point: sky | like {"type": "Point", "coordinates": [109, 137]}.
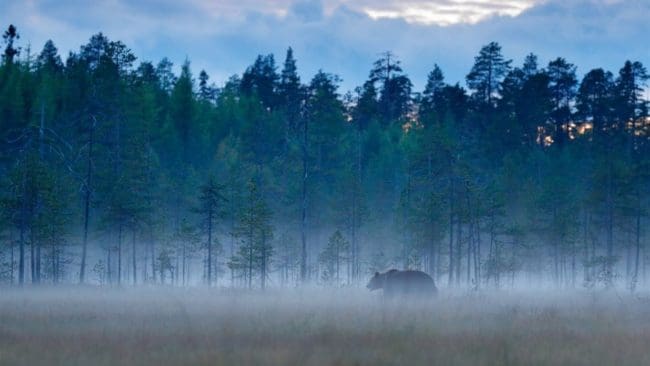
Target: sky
{"type": "Point", "coordinates": [344, 37]}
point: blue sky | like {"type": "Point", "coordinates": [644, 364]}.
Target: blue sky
{"type": "Point", "coordinates": [345, 36]}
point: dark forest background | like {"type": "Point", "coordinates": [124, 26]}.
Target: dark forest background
{"type": "Point", "coordinates": [115, 171]}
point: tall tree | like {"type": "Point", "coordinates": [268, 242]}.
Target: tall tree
{"type": "Point", "coordinates": [594, 100]}
{"type": "Point", "coordinates": [394, 91]}
{"type": "Point", "coordinates": [11, 50]}
{"type": "Point", "coordinates": [211, 208]}
{"type": "Point", "coordinates": [490, 67]}
{"type": "Point", "coordinates": [256, 233]}
{"type": "Point", "coordinates": [183, 112]}
{"type": "Point", "coordinates": [332, 258]}
{"type": "Point", "coordinates": [290, 93]}
{"type": "Point", "coordinates": [261, 81]}
{"type": "Point", "coordinates": [207, 92]}
{"type": "Point", "coordinates": [432, 95]}
{"type": "Point", "coordinates": [562, 83]}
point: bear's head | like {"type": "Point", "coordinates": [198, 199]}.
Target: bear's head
{"type": "Point", "coordinates": [376, 282]}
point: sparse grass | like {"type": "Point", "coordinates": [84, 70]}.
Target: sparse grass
{"type": "Point", "coordinates": [167, 326]}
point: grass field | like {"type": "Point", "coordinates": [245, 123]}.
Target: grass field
{"type": "Point", "coordinates": [168, 326]}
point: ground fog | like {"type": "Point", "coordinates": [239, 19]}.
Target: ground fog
{"type": "Point", "coordinates": [173, 326]}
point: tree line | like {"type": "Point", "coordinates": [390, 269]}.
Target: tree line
{"type": "Point", "coordinates": [114, 171]}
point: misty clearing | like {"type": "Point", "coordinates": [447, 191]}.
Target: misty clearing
{"type": "Point", "coordinates": [173, 326]}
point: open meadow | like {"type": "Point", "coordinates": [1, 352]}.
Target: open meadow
{"type": "Point", "coordinates": [170, 326]}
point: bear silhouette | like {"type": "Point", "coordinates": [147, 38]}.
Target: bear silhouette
{"type": "Point", "coordinates": [396, 283]}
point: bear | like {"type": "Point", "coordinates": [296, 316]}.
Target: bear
{"type": "Point", "coordinates": [396, 283]}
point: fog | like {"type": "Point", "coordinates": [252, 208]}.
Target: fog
{"type": "Point", "coordinates": [74, 325]}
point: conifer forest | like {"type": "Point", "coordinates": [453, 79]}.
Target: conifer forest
{"type": "Point", "coordinates": [120, 175]}
{"type": "Point", "coordinates": [116, 171]}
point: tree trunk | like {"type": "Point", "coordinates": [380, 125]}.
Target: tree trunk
{"type": "Point", "coordinates": [478, 252]}
{"type": "Point", "coordinates": [263, 264]}
{"type": "Point", "coordinates": [585, 243]}
{"type": "Point", "coordinates": [459, 244]}
{"type": "Point", "coordinates": [469, 255]}
{"type": "Point", "coordinates": [609, 268]}
{"type": "Point", "coordinates": [210, 213]}
{"type": "Point", "coordinates": [87, 192]}
{"type": "Point", "coordinates": [109, 269]}
{"type": "Point", "coordinates": [32, 258]}
{"type": "Point", "coordinates": [145, 266]}
{"type": "Point", "coordinates": [338, 280]}
{"type": "Point", "coordinates": [23, 231]}
{"type": "Point", "coordinates": [135, 277]}
{"type": "Point", "coordinates": [177, 275]}
{"type": "Point", "coordinates": [183, 264]}
{"type": "Point", "coordinates": [13, 259]}
{"type": "Point", "coordinates": [303, 218]}
{"type": "Point", "coordinates": [119, 255]}
{"type": "Point", "coordinates": [153, 254]}
{"type": "Point", "coordinates": [23, 224]}
{"type": "Point", "coordinates": [250, 265]}
{"type": "Point", "coordinates": [356, 209]}
{"type": "Point", "coordinates": [232, 235]}
{"type": "Point", "coordinates": [494, 253]}
{"type": "Point", "coordinates": [556, 251]}
{"type": "Point", "coordinates": [637, 254]}
{"type": "Point", "coordinates": [573, 264]}
{"type": "Point", "coordinates": [53, 264]}
{"type": "Point", "coordinates": [451, 232]}
{"type": "Point", "coordinates": [38, 261]}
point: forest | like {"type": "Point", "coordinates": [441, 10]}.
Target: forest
{"type": "Point", "coordinates": [120, 172]}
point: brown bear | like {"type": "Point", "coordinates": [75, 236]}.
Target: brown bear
{"type": "Point", "coordinates": [403, 283]}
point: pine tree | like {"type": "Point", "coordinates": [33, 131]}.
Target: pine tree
{"type": "Point", "coordinates": [432, 95]}
{"type": "Point", "coordinates": [207, 93]}
{"type": "Point", "coordinates": [490, 67]}
{"type": "Point", "coordinates": [530, 67]}
{"type": "Point", "coordinates": [187, 239]}
{"type": "Point", "coordinates": [11, 51]}
{"type": "Point", "coordinates": [291, 94]}
{"type": "Point", "coordinates": [255, 231]}
{"type": "Point", "coordinates": [562, 84]}
{"type": "Point", "coordinates": [165, 75]}
{"type": "Point", "coordinates": [333, 257]}
{"type": "Point", "coordinates": [594, 100]}
{"type": "Point", "coordinates": [261, 81]}
{"type": "Point", "coordinates": [287, 258]}
{"type": "Point", "coordinates": [183, 112]}
{"type": "Point", "coordinates": [632, 79]}
{"type": "Point", "coordinates": [37, 204]}
{"type": "Point", "coordinates": [395, 89]}
{"type": "Point", "coordinates": [211, 209]}
{"type": "Point", "coordinates": [631, 112]}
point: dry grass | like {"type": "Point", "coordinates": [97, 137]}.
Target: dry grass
{"type": "Point", "coordinates": [91, 326]}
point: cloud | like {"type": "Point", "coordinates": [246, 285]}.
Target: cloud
{"type": "Point", "coordinates": [308, 10]}
{"type": "Point", "coordinates": [445, 12]}
{"type": "Point", "coordinates": [440, 12]}
{"type": "Point", "coordinates": [345, 36]}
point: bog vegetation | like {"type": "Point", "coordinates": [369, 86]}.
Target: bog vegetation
{"type": "Point", "coordinates": [203, 326]}
{"type": "Point", "coordinates": [119, 171]}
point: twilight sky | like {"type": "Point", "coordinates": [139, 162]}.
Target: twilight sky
{"type": "Point", "coordinates": [344, 36]}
